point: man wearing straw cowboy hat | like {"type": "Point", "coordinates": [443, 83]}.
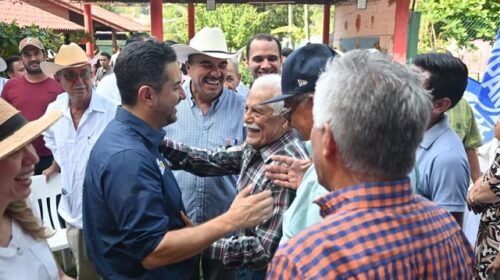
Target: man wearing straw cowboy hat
{"type": "Point", "coordinates": [85, 115]}
{"type": "Point", "coordinates": [32, 92]}
{"type": "Point", "coordinates": [211, 116]}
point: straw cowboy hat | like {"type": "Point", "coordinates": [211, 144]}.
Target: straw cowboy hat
{"type": "Point", "coordinates": [69, 56]}
{"type": "Point", "coordinates": [16, 132]}
{"type": "Point", "coordinates": [208, 41]}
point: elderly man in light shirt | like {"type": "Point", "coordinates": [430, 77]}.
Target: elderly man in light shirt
{"type": "Point", "coordinates": [71, 138]}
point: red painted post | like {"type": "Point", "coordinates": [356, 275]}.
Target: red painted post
{"type": "Point", "coordinates": [156, 8]}
{"type": "Point", "coordinates": [89, 28]}
{"type": "Point", "coordinates": [326, 24]}
{"type": "Point", "coordinates": [191, 15]}
{"type": "Point", "coordinates": [401, 30]}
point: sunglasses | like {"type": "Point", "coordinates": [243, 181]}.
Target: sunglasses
{"type": "Point", "coordinates": [73, 75]}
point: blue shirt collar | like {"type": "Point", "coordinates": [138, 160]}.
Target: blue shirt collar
{"type": "Point", "coordinates": [142, 128]}
{"type": "Point", "coordinates": [433, 133]}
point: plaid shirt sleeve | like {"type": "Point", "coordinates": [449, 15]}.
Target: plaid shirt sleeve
{"type": "Point", "coordinates": [226, 161]}
{"type": "Point", "coordinates": [256, 248]}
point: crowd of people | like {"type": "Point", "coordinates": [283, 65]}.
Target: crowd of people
{"type": "Point", "coordinates": [329, 165]}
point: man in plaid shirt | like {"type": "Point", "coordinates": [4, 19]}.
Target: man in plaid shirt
{"type": "Point", "coordinates": [268, 134]}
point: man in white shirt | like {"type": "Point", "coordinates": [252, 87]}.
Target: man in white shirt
{"type": "Point", "coordinates": [71, 138]}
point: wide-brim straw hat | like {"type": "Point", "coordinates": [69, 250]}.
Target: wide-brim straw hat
{"type": "Point", "coordinates": [208, 41]}
{"type": "Point", "coordinates": [69, 56]}
{"type": "Point", "coordinates": [16, 132]}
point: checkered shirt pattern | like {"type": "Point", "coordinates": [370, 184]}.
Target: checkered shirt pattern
{"type": "Point", "coordinates": [254, 247]}
{"type": "Point", "coordinates": [376, 231]}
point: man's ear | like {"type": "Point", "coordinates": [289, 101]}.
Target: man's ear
{"type": "Point", "coordinates": [329, 144]}
{"type": "Point", "coordinates": [188, 67]}
{"type": "Point", "coordinates": [145, 94]}
{"type": "Point", "coordinates": [442, 105]}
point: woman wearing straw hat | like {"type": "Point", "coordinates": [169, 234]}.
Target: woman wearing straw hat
{"type": "Point", "coordinates": [24, 253]}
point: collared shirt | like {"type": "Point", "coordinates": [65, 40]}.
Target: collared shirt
{"type": "Point", "coordinates": [242, 90]}
{"type": "Point", "coordinates": [71, 149]}
{"type": "Point", "coordinates": [108, 88]}
{"type": "Point", "coordinates": [303, 212]}
{"type": "Point", "coordinates": [377, 231]}
{"type": "Point", "coordinates": [443, 168]}
{"type": "Point", "coordinates": [130, 201]}
{"type": "Point", "coordinates": [461, 118]}
{"type": "Point", "coordinates": [253, 247]}
{"type": "Point", "coordinates": [26, 257]}
{"type": "Point", "coordinates": [222, 126]}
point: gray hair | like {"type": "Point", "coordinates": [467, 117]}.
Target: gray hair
{"type": "Point", "coordinates": [377, 110]}
{"type": "Point", "coordinates": [273, 82]}
{"type": "Point", "coordinates": [236, 65]}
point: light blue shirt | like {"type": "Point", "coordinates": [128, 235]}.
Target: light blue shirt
{"type": "Point", "coordinates": [303, 212]}
{"type": "Point", "coordinates": [443, 168]}
{"type": "Point", "coordinates": [208, 197]}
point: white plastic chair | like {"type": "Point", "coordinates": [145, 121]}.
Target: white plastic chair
{"type": "Point", "coordinates": [46, 195]}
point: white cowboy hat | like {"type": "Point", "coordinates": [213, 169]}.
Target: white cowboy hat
{"type": "Point", "coordinates": [16, 132]}
{"type": "Point", "coordinates": [208, 41]}
{"type": "Point", "coordinates": [69, 56]}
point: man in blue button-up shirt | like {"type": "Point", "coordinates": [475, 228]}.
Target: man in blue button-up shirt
{"type": "Point", "coordinates": [210, 117]}
{"type": "Point", "coordinates": [133, 220]}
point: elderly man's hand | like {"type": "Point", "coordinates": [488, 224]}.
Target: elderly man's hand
{"type": "Point", "coordinates": [288, 173]}
{"type": "Point", "coordinates": [250, 210]}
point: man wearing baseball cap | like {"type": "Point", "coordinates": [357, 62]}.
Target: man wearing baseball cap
{"type": "Point", "coordinates": [210, 117]}
{"type": "Point", "coordinates": [300, 73]}
{"type": "Point", "coordinates": [32, 92]}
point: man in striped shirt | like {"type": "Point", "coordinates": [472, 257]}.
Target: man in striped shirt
{"type": "Point", "coordinates": [370, 114]}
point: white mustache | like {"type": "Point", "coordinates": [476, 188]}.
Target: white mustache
{"type": "Point", "coordinates": [251, 126]}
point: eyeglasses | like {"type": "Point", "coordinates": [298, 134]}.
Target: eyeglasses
{"type": "Point", "coordinates": [73, 76]}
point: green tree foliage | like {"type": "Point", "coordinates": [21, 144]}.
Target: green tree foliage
{"type": "Point", "coordinates": [238, 22]}
{"type": "Point", "coordinates": [11, 34]}
{"type": "Point", "coordinates": [175, 25]}
{"type": "Point", "coordinates": [457, 20]}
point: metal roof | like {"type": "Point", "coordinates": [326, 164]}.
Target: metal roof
{"type": "Point", "coordinates": [105, 17]}
{"type": "Point", "coordinates": [25, 15]}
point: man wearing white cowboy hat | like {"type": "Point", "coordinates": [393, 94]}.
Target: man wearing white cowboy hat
{"type": "Point", "coordinates": [211, 116]}
{"type": "Point", "coordinates": [85, 115]}
{"type": "Point", "coordinates": [32, 92]}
